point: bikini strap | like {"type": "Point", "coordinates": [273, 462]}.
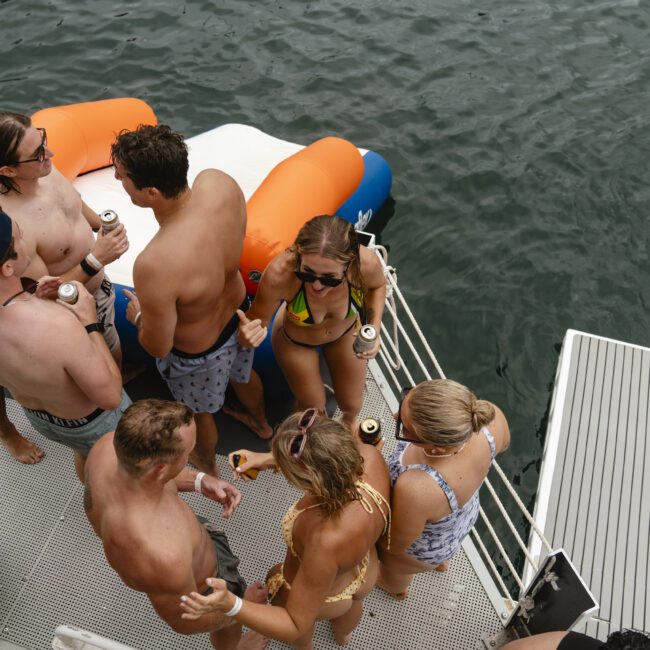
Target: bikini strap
{"type": "Point", "coordinates": [379, 500]}
{"type": "Point", "coordinates": [490, 439]}
{"type": "Point", "coordinates": [289, 520]}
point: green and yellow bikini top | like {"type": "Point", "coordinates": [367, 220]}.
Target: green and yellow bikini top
{"type": "Point", "coordinates": [299, 313]}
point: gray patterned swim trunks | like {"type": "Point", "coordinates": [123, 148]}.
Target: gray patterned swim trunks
{"type": "Point", "coordinates": [200, 382]}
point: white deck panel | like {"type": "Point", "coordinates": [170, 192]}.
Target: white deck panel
{"type": "Point", "coordinates": [53, 571]}
{"type": "Point", "coordinates": [593, 499]}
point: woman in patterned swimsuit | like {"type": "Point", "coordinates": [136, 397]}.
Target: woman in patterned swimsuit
{"type": "Point", "coordinates": [328, 285]}
{"type": "Point", "coordinates": [448, 440]}
{"type": "Point", "coordinates": [331, 562]}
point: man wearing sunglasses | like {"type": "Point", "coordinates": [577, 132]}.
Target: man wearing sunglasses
{"type": "Point", "coordinates": [57, 227]}
{"type": "Point", "coordinates": [54, 360]}
{"type": "Point", "coordinates": [188, 282]}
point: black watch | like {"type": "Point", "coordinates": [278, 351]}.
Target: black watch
{"type": "Point", "coordinates": [95, 327]}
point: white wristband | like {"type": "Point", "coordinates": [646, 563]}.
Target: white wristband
{"type": "Point", "coordinates": [136, 320]}
{"type": "Point", "coordinates": [94, 262]}
{"type": "Point", "coordinates": [197, 481]}
{"type": "Point", "coordinates": [236, 607]}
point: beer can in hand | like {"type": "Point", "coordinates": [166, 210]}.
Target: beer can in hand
{"type": "Point", "coordinates": [370, 431]}
{"type": "Point", "coordinates": [109, 220]}
{"type": "Point", "coordinates": [365, 340]}
{"type": "Point", "coordinates": [68, 293]}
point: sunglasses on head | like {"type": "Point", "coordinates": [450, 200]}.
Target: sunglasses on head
{"type": "Point", "coordinates": [40, 152]}
{"type": "Point", "coordinates": [325, 280]}
{"type": "Point", "coordinates": [297, 442]}
{"type": "Point", "coordinates": [400, 425]}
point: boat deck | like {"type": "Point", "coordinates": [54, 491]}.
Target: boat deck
{"type": "Point", "coordinates": [593, 500]}
{"type": "Point", "coordinates": [53, 569]}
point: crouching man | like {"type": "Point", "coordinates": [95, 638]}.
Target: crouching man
{"type": "Point", "coordinates": [151, 537]}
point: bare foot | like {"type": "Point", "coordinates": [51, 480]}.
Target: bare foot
{"type": "Point", "coordinates": [443, 566]}
{"type": "Point", "coordinates": [252, 641]}
{"type": "Point", "coordinates": [399, 595]}
{"type": "Point", "coordinates": [20, 448]}
{"type": "Point", "coordinates": [256, 593]}
{"type": "Point", "coordinates": [264, 431]}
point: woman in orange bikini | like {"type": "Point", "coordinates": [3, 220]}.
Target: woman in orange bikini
{"type": "Point", "coordinates": [328, 285]}
{"type": "Point", "coordinates": [331, 563]}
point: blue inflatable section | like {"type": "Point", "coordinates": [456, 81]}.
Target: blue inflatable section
{"type": "Point", "coordinates": [371, 194]}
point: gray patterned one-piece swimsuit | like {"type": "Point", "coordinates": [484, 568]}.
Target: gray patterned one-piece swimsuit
{"type": "Point", "coordinates": [440, 540]}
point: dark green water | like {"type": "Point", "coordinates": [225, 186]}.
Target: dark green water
{"type": "Point", "coordinates": [517, 133]}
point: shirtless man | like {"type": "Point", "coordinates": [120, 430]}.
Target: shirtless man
{"type": "Point", "coordinates": [56, 225]}
{"type": "Point", "coordinates": [188, 282]}
{"type": "Point", "coordinates": [133, 477]}
{"type": "Point", "coordinates": [55, 360]}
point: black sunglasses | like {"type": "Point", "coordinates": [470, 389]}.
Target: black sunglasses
{"type": "Point", "coordinates": [29, 286]}
{"type": "Point", "coordinates": [40, 152]}
{"type": "Point", "coordinates": [400, 426]}
{"type": "Point", "coordinates": [325, 280]}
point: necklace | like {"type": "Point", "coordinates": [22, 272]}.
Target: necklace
{"type": "Point", "coordinates": [453, 453]}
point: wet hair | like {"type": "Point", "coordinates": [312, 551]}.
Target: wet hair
{"type": "Point", "coordinates": [627, 640]}
{"type": "Point", "coordinates": [330, 463]}
{"type": "Point", "coordinates": [147, 434]}
{"type": "Point", "coordinates": [332, 237]}
{"type": "Point", "coordinates": [446, 413]}
{"type": "Point", "coordinates": [12, 132]}
{"type": "Point", "coordinates": [153, 156]}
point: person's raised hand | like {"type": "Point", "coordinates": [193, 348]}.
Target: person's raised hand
{"type": "Point", "coordinates": [222, 492]}
{"type": "Point", "coordinates": [194, 605]}
{"type": "Point", "coordinates": [85, 309]}
{"type": "Point", "coordinates": [111, 245]}
{"type": "Point", "coordinates": [251, 333]}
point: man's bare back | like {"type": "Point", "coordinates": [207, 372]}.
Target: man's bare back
{"type": "Point", "coordinates": [201, 244]}
{"type": "Point", "coordinates": [150, 536]}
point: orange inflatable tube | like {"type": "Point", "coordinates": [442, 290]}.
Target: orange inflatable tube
{"type": "Point", "coordinates": [81, 135]}
{"type": "Point", "coordinates": [316, 180]}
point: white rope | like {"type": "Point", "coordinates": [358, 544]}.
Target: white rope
{"type": "Point", "coordinates": [488, 558]}
{"type": "Point", "coordinates": [506, 516]}
{"type": "Point", "coordinates": [522, 506]}
{"type": "Point", "coordinates": [502, 550]}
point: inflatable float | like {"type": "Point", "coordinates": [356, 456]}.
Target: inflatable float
{"type": "Point", "coordinates": [285, 184]}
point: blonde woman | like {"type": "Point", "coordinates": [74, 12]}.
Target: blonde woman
{"type": "Point", "coordinates": [328, 285]}
{"type": "Point", "coordinates": [447, 442]}
{"type": "Point", "coordinates": [331, 562]}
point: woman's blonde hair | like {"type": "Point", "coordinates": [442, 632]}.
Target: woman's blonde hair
{"type": "Point", "coordinates": [332, 237]}
{"type": "Point", "coordinates": [330, 463]}
{"type": "Point", "coordinates": [446, 413]}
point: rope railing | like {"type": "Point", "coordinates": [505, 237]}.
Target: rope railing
{"type": "Point", "coordinates": [393, 362]}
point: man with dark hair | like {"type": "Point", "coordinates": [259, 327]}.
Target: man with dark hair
{"type": "Point", "coordinates": [188, 282]}
{"type": "Point", "coordinates": [56, 225]}
{"type": "Point", "coordinates": [150, 535]}
{"type": "Point", "coordinates": [54, 358]}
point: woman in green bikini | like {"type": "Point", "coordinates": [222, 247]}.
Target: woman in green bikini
{"type": "Point", "coordinates": [328, 285]}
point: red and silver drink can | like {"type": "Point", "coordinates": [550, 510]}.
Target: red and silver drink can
{"type": "Point", "coordinates": [370, 431]}
{"type": "Point", "coordinates": [109, 220]}
{"type": "Point", "coordinates": [365, 340]}
{"type": "Point", "coordinates": [68, 293]}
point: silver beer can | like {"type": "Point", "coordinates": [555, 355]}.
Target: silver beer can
{"type": "Point", "coordinates": [370, 431]}
{"type": "Point", "coordinates": [109, 220]}
{"type": "Point", "coordinates": [365, 339]}
{"type": "Point", "coordinates": [68, 293]}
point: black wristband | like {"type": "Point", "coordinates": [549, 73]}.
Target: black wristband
{"type": "Point", "coordinates": [95, 327]}
{"type": "Point", "coordinates": [87, 268]}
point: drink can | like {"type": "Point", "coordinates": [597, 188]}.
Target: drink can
{"type": "Point", "coordinates": [68, 293]}
{"type": "Point", "coordinates": [365, 339]}
{"type": "Point", "coordinates": [109, 220]}
{"type": "Point", "coordinates": [370, 431]}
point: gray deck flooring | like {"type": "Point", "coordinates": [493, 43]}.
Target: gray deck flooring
{"type": "Point", "coordinates": [599, 506]}
{"type": "Point", "coordinates": [52, 568]}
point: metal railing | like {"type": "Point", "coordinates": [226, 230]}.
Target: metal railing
{"type": "Point", "coordinates": [401, 336]}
